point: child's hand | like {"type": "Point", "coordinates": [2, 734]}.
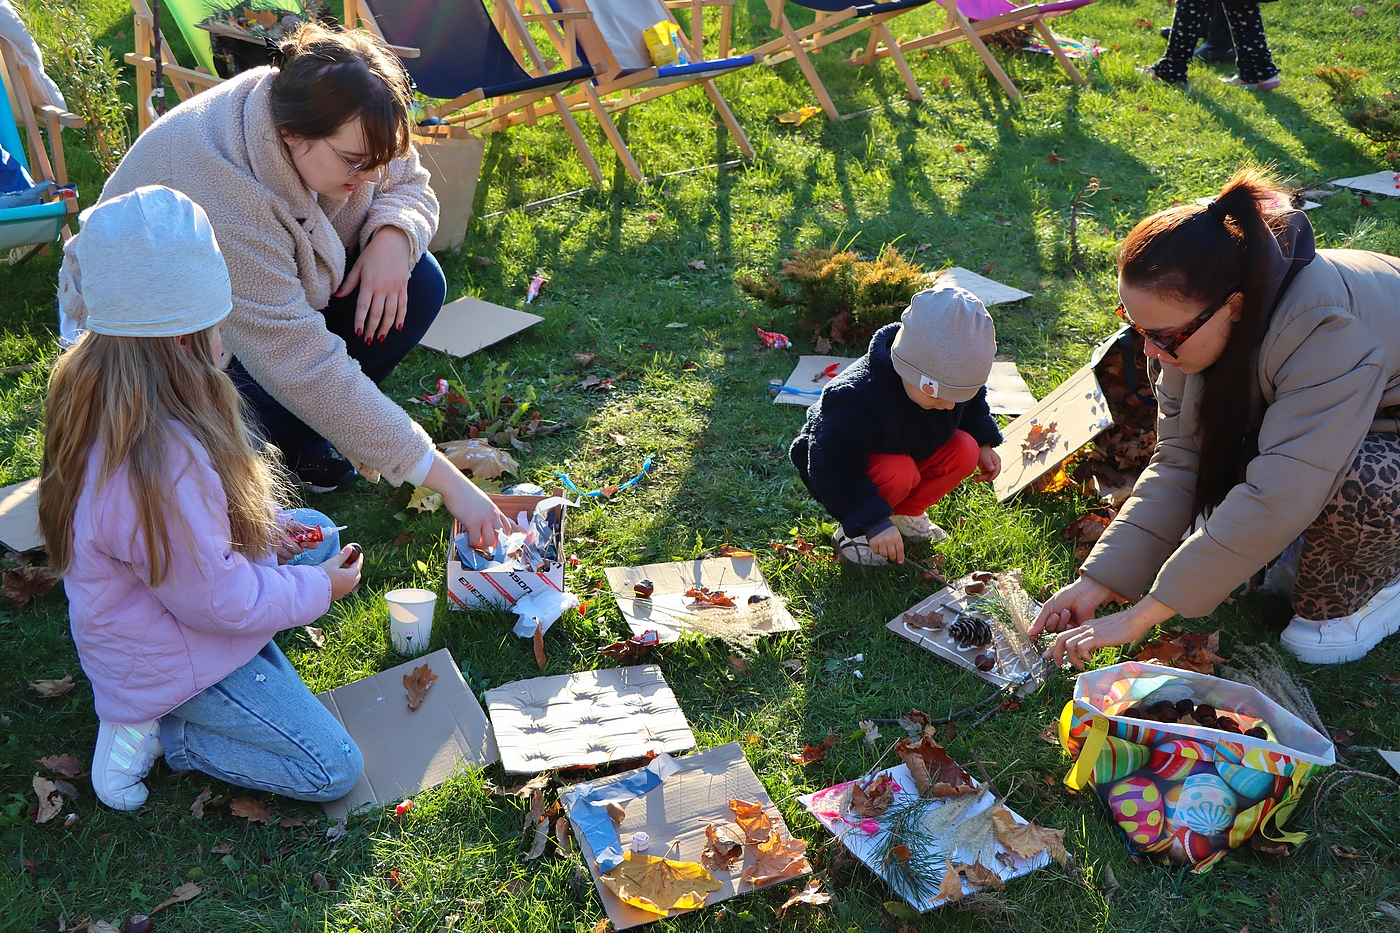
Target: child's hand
{"type": "Point", "coordinates": [344, 570]}
{"type": "Point", "coordinates": [988, 465]}
{"type": "Point", "coordinates": [889, 544]}
{"type": "Point", "coordinates": [283, 545]}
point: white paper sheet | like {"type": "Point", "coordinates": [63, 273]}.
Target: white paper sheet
{"type": "Point", "coordinates": [1387, 183]}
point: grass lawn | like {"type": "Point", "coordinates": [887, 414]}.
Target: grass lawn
{"type": "Point", "coordinates": [967, 177]}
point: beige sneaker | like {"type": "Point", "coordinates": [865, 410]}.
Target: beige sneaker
{"type": "Point", "coordinates": [918, 528]}
{"type": "Point", "coordinates": [855, 551]}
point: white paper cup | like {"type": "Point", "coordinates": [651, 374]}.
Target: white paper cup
{"type": "Point", "coordinates": [410, 619]}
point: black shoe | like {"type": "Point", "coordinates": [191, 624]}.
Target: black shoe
{"type": "Point", "coordinates": [323, 471]}
{"type": "Point", "coordinates": [1165, 32]}
{"type": "Point", "coordinates": [1215, 53]}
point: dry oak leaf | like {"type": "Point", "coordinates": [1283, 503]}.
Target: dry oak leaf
{"type": "Point", "coordinates": [752, 819]}
{"type": "Point", "coordinates": [980, 876]}
{"type": "Point", "coordinates": [417, 685]}
{"type": "Point", "coordinates": [950, 888]}
{"type": "Point", "coordinates": [934, 772]}
{"type": "Point", "coordinates": [185, 892]}
{"type": "Point", "coordinates": [197, 808]}
{"type": "Point", "coordinates": [811, 894]}
{"type": "Point", "coordinates": [721, 852]}
{"type": "Point", "coordinates": [1028, 839]}
{"type": "Point", "coordinates": [251, 810]}
{"type": "Point", "coordinates": [64, 764]}
{"type": "Point", "coordinates": [822, 346]}
{"type": "Point", "coordinates": [562, 838]}
{"type": "Point", "coordinates": [583, 359]}
{"type": "Point", "coordinates": [50, 799]}
{"type": "Point", "coordinates": [1087, 528]}
{"type": "Point", "coordinates": [874, 798]}
{"type": "Point", "coordinates": [27, 582]}
{"type": "Point", "coordinates": [660, 885]}
{"type": "Point", "coordinates": [811, 754]}
{"type": "Point", "coordinates": [223, 848]}
{"type": "Point", "coordinates": [540, 841]}
{"type": "Point", "coordinates": [1190, 651]}
{"type": "Point", "coordinates": [1040, 440]}
{"type": "Point", "coordinates": [698, 265]}
{"type": "Point", "coordinates": [538, 641]}
{"type": "Point", "coordinates": [602, 926]}
{"type": "Point", "coordinates": [53, 688]}
{"type": "Point", "coordinates": [479, 459]}
{"type": "Point", "coordinates": [776, 859]}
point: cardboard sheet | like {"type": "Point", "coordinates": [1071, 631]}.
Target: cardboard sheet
{"type": "Point", "coordinates": [1007, 392]}
{"type": "Point", "coordinates": [1079, 411]}
{"type": "Point", "coordinates": [862, 845]}
{"type": "Point", "coordinates": [409, 750]}
{"type": "Point", "coordinates": [677, 811]}
{"type": "Point", "coordinates": [1392, 759]}
{"type": "Point", "coordinates": [19, 516]}
{"type": "Point", "coordinates": [990, 291]}
{"type": "Point", "coordinates": [810, 376]}
{"type": "Point", "coordinates": [667, 612]}
{"type": "Point", "coordinates": [1386, 182]}
{"type": "Point", "coordinates": [588, 718]}
{"type": "Point", "coordinates": [468, 324]}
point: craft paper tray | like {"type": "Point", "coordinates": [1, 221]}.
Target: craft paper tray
{"type": "Point", "coordinates": [1008, 669]}
{"type": "Point", "coordinates": [863, 846]}
{"type": "Point", "coordinates": [666, 611]}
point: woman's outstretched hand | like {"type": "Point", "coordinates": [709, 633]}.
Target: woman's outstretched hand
{"type": "Point", "coordinates": [381, 274]}
{"type": "Point", "coordinates": [480, 518]}
{"type": "Point", "coordinates": [1071, 605]}
{"type": "Point", "coordinates": [1082, 635]}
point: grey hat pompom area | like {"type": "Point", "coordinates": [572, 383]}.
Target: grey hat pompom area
{"type": "Point", "coordinates": [946, 344]}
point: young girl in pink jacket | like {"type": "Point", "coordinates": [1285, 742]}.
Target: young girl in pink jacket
{"type": "Point", "coordinates": [159, 509]}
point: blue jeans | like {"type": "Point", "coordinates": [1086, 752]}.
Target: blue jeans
{"type": "Point", "coordinates": [261, 727]}
{"type": "Point", "coordinates": [426, 289]}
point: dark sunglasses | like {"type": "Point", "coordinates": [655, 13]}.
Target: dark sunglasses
{"type": "Point", "coordinates": [1170, 346]}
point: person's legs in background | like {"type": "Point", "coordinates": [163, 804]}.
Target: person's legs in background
{"type": "Point", "coordinates": [1189, 23]}
{"type": "Point", "coordinates": [308, 455]}
{"type": "Point", "coordinates": [1256, 66]}
{"type": "Point", "coordinates": [1218, 47]}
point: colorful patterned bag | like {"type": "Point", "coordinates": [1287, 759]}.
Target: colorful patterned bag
{"type": "Point", "coordinates": [1183, 792]}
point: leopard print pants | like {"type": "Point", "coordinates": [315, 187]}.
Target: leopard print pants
{"type": "Point", "coordinates": [1352, 549]}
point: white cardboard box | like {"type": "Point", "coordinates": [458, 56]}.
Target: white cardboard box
{"type": "Point", "coordinates": [472, 589]}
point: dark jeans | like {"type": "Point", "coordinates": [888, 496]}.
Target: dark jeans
{"type": "Point", "coordinates": [1192, 20]}
{"type": "Point", "coordinates": [426, 289]}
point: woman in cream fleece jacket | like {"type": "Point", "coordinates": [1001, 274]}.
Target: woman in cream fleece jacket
{"type": "Point", "coordinates": [324, 215]}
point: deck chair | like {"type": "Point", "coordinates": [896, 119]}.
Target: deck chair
{"type": "Point", "coordinates": [837, 20]}
{"type": "Point", "coordinates": [612, 37]}
{"type": "Point", "coordinates": [970, 20]}
{"type": "Point", "coordinates": [35, 225]}
{"type": "Point", "coordinates": [465, 60]}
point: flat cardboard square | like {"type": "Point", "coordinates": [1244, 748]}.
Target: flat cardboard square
{"type": "Point", "coordinates": [990, 291]}
{"type": "Point", "coordinates": [1384, 182]}
{"type": "Point", "coordinates": [679, 810]}
{"type": "Point", "coordinates": [863, 846]}
{"type": "Point", "coordinates": [810, 377]}
{"type": "Point", "coordinates": [466, 325]}
{"type": "Point", "coordinates": [19, 516]}
{"type": "Point", "coordinates": [1079, 411]}
{"type": "Point", "coordinates": [667, 612]}
{"type": "Point", "coordinates": [409, 750]}
{"type": "Point", "coordinates": [586, 719]}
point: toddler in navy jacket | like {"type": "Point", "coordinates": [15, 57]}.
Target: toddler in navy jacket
{"type": "Point", "coordinates": [902, 426]}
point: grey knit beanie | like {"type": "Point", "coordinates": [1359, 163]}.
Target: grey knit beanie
{"type": "Point", "coordinates": [150, 266]}
{"type": "Point", "coordinates": [946, 344]}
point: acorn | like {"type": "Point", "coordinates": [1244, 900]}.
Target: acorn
{"type": "Point", "coordinates": [644, 589]}
{"type": "Point", "coordinates": [985, 662]}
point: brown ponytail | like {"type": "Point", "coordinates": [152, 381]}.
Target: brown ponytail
{"type": "Point", "coordinates": [1202, 256]}
{"type": "Point", "coordinates": [330, 77]}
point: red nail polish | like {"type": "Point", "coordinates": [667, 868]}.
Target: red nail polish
{"type": "Point", "coordinates": [381, 337]}
{"type": "Point", "coordinates": [400, 327]}
{"type": "Point", "coordinates": [359, 332]}
{"type": "Point", "coordinates": [369, 340]}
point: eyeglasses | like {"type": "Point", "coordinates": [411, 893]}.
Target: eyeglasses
{"type": "Point", "coordinates": [1172, 344]}
{"type": "Point", "coordinates": [354, 168]}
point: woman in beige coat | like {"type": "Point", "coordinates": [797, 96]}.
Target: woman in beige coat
{"type": "Point", "coordinates": [1277, 373]}
{"type": "Point", "coordinates": [323, 214]}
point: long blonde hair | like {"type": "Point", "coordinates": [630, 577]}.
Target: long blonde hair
{"type": "Point", "coordinates": [123, 392]}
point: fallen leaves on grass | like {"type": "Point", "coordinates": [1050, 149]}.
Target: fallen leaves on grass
{"type": "Point", "coordinates": [594, 384]}
{"type": "Point", "coordinates": [417, 684]}
{"type": "Point", "coordinates": [540, 840]}
{"type": "Point", "coordinates": [721, 852]}
{"type": "Point", "coordinates": [185, 892]}
{"type": "Point", "coordinates": [752, 819]}
{"type": "Point", "coordinates": [254, 811]}
{"type": "Point", "coordinates": [776, 859]}
{"type": "Point", "coordinates": [811, 894]}
{"type": "Point", "coordinates": [980, 876]}
{"type": "Point", "coordinates": [869, 732]}
{"type": "Point", "coordinates": [562, 838]}
{"type": "Point", "coordinates": [1028, 839]}
{"type": "Point", "coordinates": [799, 116]}
{"type": "Point", "coordinates": [478, 458]}
{"type": "Point", "coordinates": [934, 772]}
{"type": "Point", "coordinates": [1190, 651]}
{"type": "Point", "coordinates": [50, 799]}
{"type": "Point", "coordinates": [64, 764]}
{"type": "Point", "coordinates": [874, 797]}
{"type": "Point", "coordinates": [197, 808]}
{"type": "Point", "coordinates": [53, 688]}
{"type": "Point", "coordinates": [802, 548]}
{"type": "Point", "coordinates": [538, 641]}
{"type": "Point", "coordinates": [27, 582]}
{"type": "Point", "coordinates": [1054, 157]}
{"type": "Point", "coordinates": [319, 882]}
{"type": "Point", "coordinates": [1086, 529]}
{"type": "Point", "coordinates": [223, 848]}
{"type": "Point", "coordinates": [632, 649]}
{"type": "Point", "coordinates": [822, 346]}
{"type": "Point", "coordinates": [698, 265]}
{"type": "Point", "coordinates": [811, 754]}
{"type": "Point", "coordinates": [317, 635]}
{"type": "Point", "coordinates": [1040, 440]}
{"type": "Point", "coordinates": [660, 885]}
{"type": "Point", "coordinates": [602, 926]}
{"type": "Point", "coordinates": [1344, 737]}
{"type": "Point", "coordinates": [729, 550]}
{"type": "Point", "coordinates": [583, 359]}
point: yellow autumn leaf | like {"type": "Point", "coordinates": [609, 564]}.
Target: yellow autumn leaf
{"type": "Point", "coordinates": [660, 885]}
{"type": "Point", "coordinates": [424, 499]}
{"type": "Point", "coordinates": [799, 116]}
{"type": "Point", "coordinates": [950, 889]}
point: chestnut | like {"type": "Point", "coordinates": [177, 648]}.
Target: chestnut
{"type": "Point", "coordinates": [1228, 724]}
{"type": "Point", "coordinates": [1185, 707]}
{"type": "Point", "coordinates": [138, 923]}
{"type": "Point", "coordinates": [644, 589]}
{"type": "Point", "coordinates": [1205, 714]}
{"type": "Point", "coordinates": [974, 589]}
{"type": "Point", "coordinates": [982, 576]}
{"type": "Point", "coordinates": [1133, 711]}
{"type": "Point", "coordinates": [1257, 732]}
{"type": "Point", "coordinates": [985, 662]}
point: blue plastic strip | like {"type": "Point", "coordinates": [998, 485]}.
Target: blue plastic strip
{"type": "Point", "coordinates": [798, 391]}
{"type": "Point", "coordinates": [598, 493]}
{"type": "Point", "coordinates": [590, 814]}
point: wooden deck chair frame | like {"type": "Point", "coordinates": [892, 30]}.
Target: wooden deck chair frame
{"type": "Point", "coordinates": [961, 29]}
{"type": "Point", "coordinates": [497, 114]}
{"type": "Point", "coordinates": [831, 27]}
{"type": "Point", "coordinates": [615, 91]}
{"type": "Point", "coordinates": [45, 164]}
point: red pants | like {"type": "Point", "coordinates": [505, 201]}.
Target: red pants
{"type": "Point", "coordinates": [910, 488]}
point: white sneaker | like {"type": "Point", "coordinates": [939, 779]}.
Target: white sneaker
{"type": "Point", "coordinates": [123, 757]}
{"type": "Point", "coordinates": [1349, 638]}
{"type": "Point", "coordinates": [855, 551]}
{"type": "Point", "coordinates": [918, 528]}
